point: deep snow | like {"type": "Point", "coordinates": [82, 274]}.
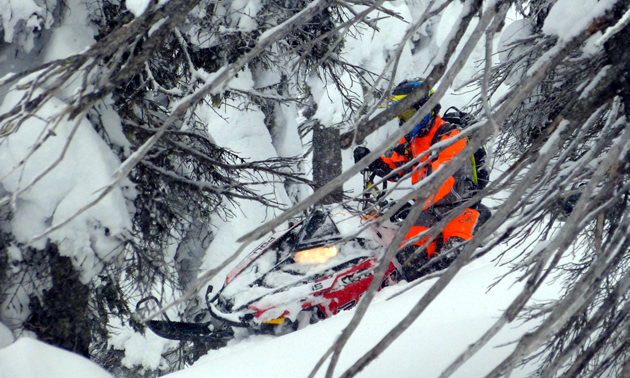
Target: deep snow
{"type": "Point", "coordinates": [457, 318]}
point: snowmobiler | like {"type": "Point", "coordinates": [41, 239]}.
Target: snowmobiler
{"type": "Point", "coordinates": [325, 262]}
{"type": "Point", "coordinates": [456, 189]}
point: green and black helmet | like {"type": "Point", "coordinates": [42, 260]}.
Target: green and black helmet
{"type": "Point", "coordinates": [401, 91]}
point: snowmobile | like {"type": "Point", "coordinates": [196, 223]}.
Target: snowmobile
{"type": "Point", "coordinates": [319, 266]}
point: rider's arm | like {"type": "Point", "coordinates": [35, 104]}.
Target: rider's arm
{"type": "Point", "coordinates": [394, 159]}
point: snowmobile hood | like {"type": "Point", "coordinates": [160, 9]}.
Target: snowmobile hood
{"type": "Point", "coordinates": [283, 269]}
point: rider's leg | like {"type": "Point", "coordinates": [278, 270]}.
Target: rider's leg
{"type": "Point", "coordinates": [455, 234]}
{"type": "Point", "coordinates": [415, 258]}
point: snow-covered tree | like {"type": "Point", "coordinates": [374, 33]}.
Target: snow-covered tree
{"type": "Point", "coordinates": [581, 206]}
{"type": "Point", "coordinates": [137, 91]}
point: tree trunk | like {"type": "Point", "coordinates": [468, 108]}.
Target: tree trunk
{"type": "Point", "coordinates": [326, 160]}
{"type": "Point", "coordinates": [192, 249]}
{"type": "Point", "coordinates": [62, 319]}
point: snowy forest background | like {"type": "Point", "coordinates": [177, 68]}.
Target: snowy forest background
{"type": "Point", "coordinates": [139, 140]}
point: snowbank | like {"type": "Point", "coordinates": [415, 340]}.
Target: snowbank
{"type": "Point", "coordinates": [462, 313]}
{"type": "Point", "coordinates": [29, 358]}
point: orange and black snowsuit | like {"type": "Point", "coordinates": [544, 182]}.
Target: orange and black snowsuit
{"type": "Point", "coordinates": [457, 188]}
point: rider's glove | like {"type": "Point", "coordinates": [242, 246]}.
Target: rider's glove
{"type": "Point", "coordinates": [402, 149]}
{"type": "Point", "coordinates": [380, 168]}
{"type": "Point", "coordinates": [360, 152]}
{"type": "Point", "coordinates": [402, 213]}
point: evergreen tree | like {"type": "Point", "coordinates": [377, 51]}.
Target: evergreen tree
{"type": "Point", "coordinates": [144, 87]}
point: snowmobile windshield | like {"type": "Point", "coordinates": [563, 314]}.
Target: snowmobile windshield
{"type": "Point", "coordinates": [318, 230]}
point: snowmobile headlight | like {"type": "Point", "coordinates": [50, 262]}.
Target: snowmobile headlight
{"type": "Point", "coordinates": [315, 255]}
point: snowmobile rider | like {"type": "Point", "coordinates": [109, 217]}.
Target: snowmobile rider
{"type": "Point", "coordinates": [456, 189]}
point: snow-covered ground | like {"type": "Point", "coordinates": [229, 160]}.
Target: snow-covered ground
{"type": "Point", "coordinates": [456, 319]}
{"type": "Point", "coordinates": [462, 313]}
{"type": "Point", "coordinates": [29, 358]}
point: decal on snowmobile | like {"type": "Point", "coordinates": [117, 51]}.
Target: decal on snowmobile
{"type": "Point", "coordinates": [348, 305]}
{"type": "Point", "coordinates": [355, 277]}
{"type": "Point", "coordinates": [323, 284]}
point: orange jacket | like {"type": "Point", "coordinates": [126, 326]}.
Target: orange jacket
{"type": "Point", "coordinates": [440, 131]}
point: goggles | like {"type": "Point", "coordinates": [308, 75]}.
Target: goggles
{"type": "Point", "coordinates": [406, 115]}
